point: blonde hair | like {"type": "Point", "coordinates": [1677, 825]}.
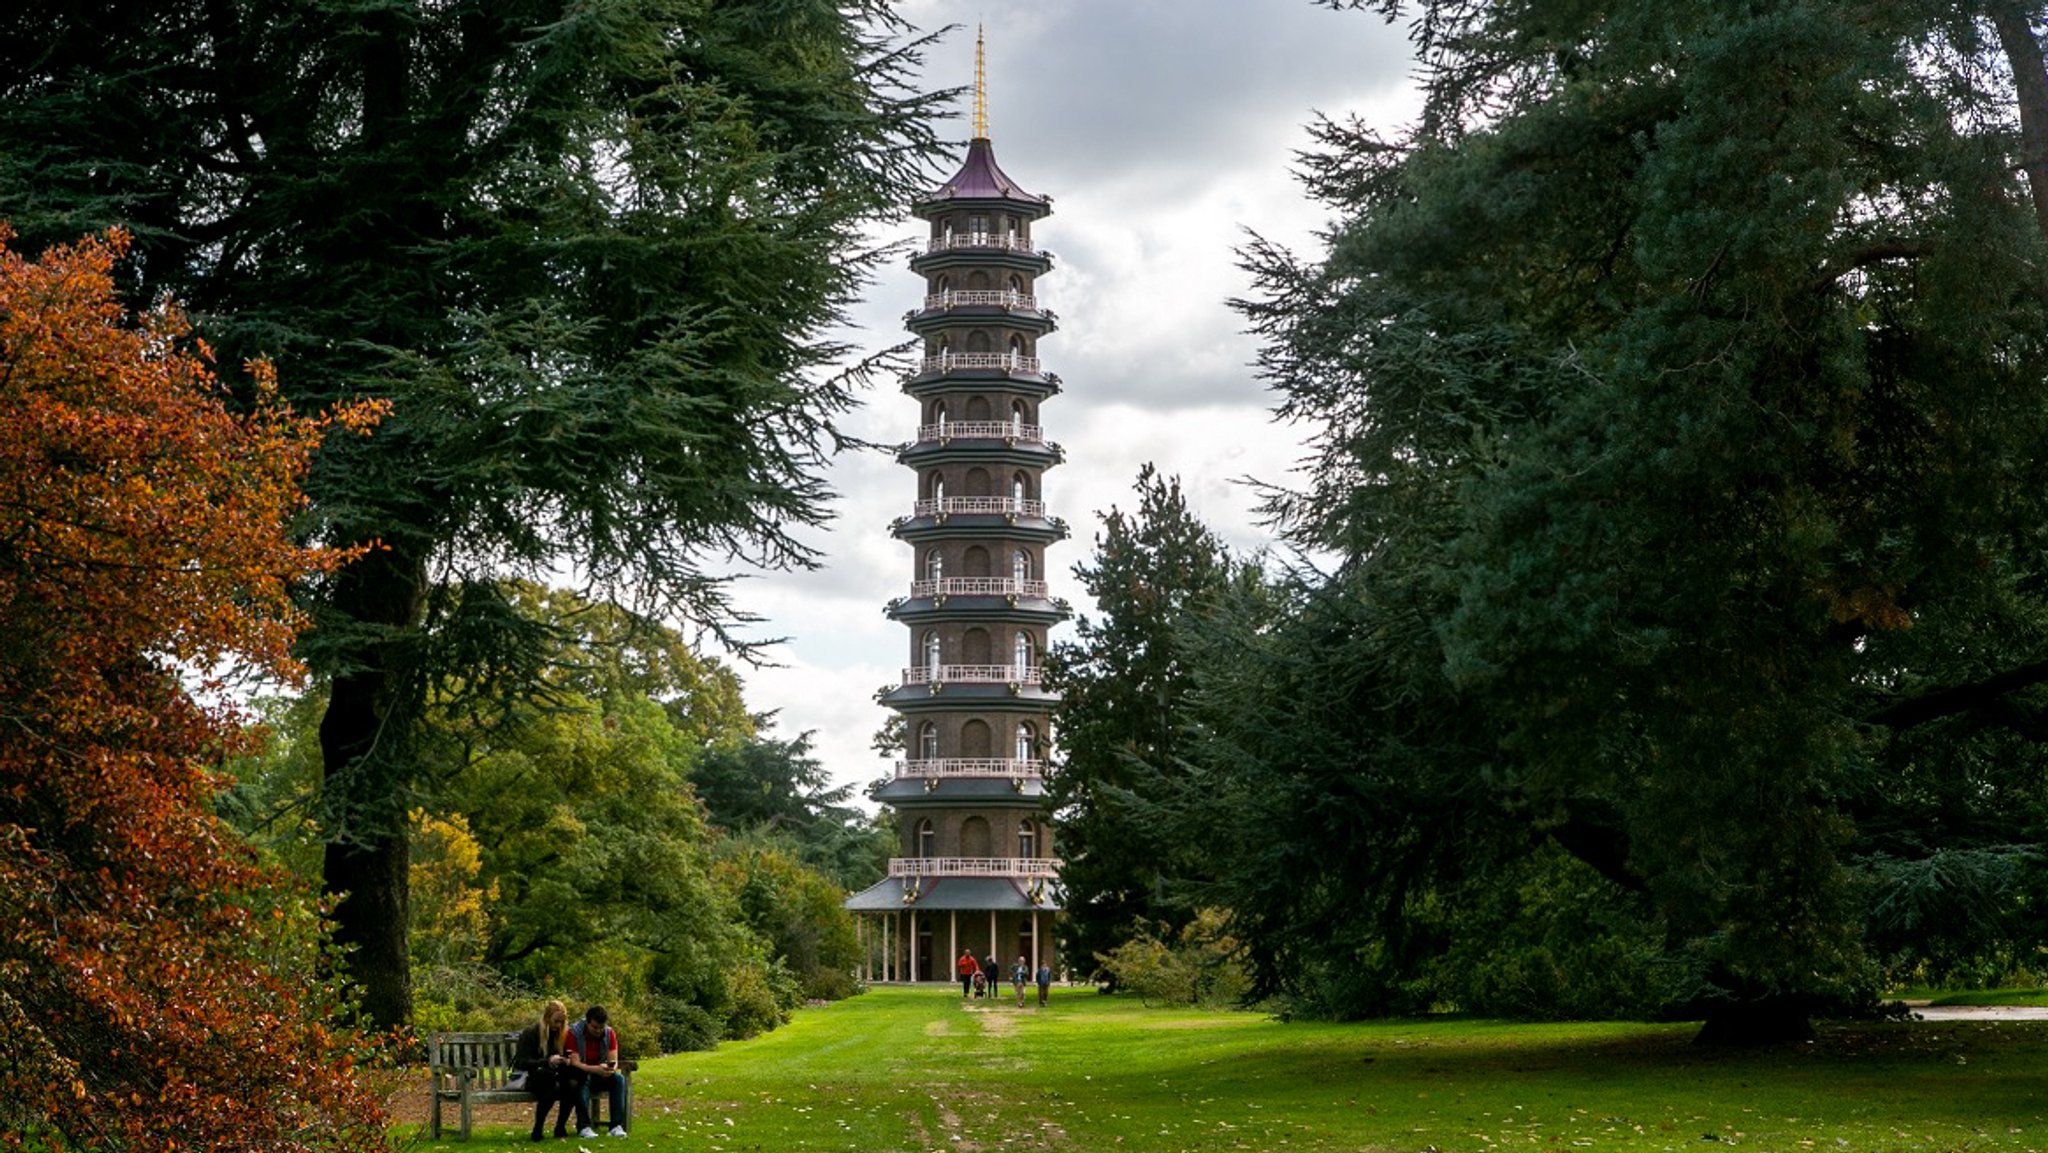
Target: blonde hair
{"type": "Point", "coordinates": [557, 1037]}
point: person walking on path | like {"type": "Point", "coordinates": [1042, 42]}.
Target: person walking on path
{"type": "Point", "coordinates": [966, 968]}
{"type": "Point", "coordinates": [1044, 983]}
{"type": "Point", "coordinates": [1020, 973]}
{"type": "Point", "coordinates": [990, 975]}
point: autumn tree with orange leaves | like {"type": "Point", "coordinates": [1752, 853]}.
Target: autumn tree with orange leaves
{"type": "Point", "coordinates": [159, 989]}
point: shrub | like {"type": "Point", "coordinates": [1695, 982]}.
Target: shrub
{"type": "Point", "coordinates": [1199, 965]}
{"type": "Point", "coordinates": [686, 1028]}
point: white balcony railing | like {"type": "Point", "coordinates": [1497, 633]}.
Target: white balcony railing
{"type": "Point", "coordinates": [1006, 241]}
{"type": "Point", "coordinates": [978, 506]}
{"type": "Point", "coordinates": [979, 587]}
{"type": "Point", "coordinates": [1005, 298]}
{"type": "Point", "coordinates": [973, 867]}
{"type": "Point", "coordinates": [1012, 362]}
{"type": "Point", "coordinates": [971, 675]}
{"type": "Point", "coordinates": [987, 767]}
{"type": "Point", "coordinates": [982, 430]}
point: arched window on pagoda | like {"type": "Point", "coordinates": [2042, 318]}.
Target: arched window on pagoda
{"type": "Point", "coordinates": [1027, 742]}
{"type": "Point", "coordinates": [935, 486]}
{"type": "Point", "coordinates": [934, 565]}
{"type": "Point", "coordinates": [928, 742]}
{"type": "Point", "coordinates": [1020, 566]}
{"type": "Point", "coordinates": [1017, 419]}
{"type": "Point", "coordinates": [1020, 489]}
{"type": "Point", "coordinates": [927, 839]}
{"type": "Point", "coordinates": [931, 654]}
{"type": "Point", "coordinates": [1027, 839]}
{"type": "Point", "coordinates": [1022, 651]}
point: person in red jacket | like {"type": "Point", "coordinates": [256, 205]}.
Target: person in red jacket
{"type": "Point", "coordinates": [967, 967]}
{"type": "Point", "coordinates": [594, 1049]}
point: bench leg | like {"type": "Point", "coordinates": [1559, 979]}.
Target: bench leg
{"type": "Point", "coordinates": [434, 1117]}
{"type": "Point", "coordinates": [465, 1116]}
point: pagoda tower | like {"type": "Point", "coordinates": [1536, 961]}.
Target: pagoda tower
{"type": "Point", "coordinates": [976, 868]}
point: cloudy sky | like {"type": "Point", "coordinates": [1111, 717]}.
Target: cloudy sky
{"type": "Point", "coordinates": [1162, 129]}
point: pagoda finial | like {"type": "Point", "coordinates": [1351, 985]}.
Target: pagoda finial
{"type": "Point", "coordinates": [980, 86]}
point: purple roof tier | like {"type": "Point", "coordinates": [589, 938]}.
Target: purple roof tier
{"type": "Point", "coordinates": [981, 178]}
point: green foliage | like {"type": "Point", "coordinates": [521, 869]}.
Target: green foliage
{"type": "Point", "coordinates": [1550, 939]}
{"type": "Point", "coordinates": [759, 998]}
{"type": "Point", "coordinates": [267, 793]}
{"type": "Point", "coordinates": [686, 1027]}
{"type": "Point", "coordinates": [797, 910]}
{"type": "Point", "coordinates": [1196, 964]}
{"type": "Point", "coordinates": [591, 253]}
{"type": "Point", "coordinates": [1674, 383]}
{"type": "Point", "coordinates": [777, 789]}
{"type": "Point", "coordinates": [472, 998]}
{"type": "Point", "coordinates": [570, 856]}
{"type": "Point", "coordinates": [1124, 683]}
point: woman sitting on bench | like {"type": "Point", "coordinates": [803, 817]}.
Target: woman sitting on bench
{"type": "Point", "coordinates": [541, 1056]}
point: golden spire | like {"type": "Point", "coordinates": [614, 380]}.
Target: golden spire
{"type": "Point", "coordinates": [980, 87]}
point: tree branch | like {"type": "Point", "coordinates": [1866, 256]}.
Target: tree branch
{"type": "Point", "coordinates": [1870, 252]}
{"type": "Point", "coordinates": [1955, 699]}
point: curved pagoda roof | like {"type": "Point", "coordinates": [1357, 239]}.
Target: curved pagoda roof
{"type": "Point", "coordinates": [982, 180]}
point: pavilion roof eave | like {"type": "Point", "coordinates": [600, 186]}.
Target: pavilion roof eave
{"type": "Point", "coordinates": [955, 894]}
{"type": "Point", "coordinates": [981, 180]}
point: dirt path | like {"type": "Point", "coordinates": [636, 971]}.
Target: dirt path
{"type": "Point", "coordinates": [1927, 1012]}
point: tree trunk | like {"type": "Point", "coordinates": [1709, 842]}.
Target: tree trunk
{"type": "Point", "coordinates": [2014, 21]}
{"type": "Point", "coordinates": [365, 741]}
{"type": "Point", "coordinates": [1766, 1021]}
{"type": "Point", "coordinates": [371, 922]}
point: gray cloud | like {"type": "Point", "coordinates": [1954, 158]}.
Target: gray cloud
{"type": "Point", "coordinates": [1162, 129]}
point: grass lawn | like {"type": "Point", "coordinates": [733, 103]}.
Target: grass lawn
{"type": "Point", "coordinates": [900, 1070]}
{"type": "Point", "coordinates": [1992, 997]}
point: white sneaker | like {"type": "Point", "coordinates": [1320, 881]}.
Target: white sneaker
{"type": "Point", "coordinates": [618, 1130]}
{"type": "Point", "coordinates": [586, 1131]}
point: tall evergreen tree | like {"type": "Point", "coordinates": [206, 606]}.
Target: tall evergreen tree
{"type": "Point", "coordinates": [1681, 381]}
{"type": "Point", "coordinates": [773, 789]}
{"type": "Point", "coordinates": [587, 250]}
{"type": "Point", "coordinates": [1124, 686]}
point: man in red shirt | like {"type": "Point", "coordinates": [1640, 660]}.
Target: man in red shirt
{"type": "Point", "coordinates": [594, 1049]}
{"type": "Point", "coordinates": [967, 968]}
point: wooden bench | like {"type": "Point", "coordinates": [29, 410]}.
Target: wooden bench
{"type": "Point", "coordinates": [471, 1069]}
